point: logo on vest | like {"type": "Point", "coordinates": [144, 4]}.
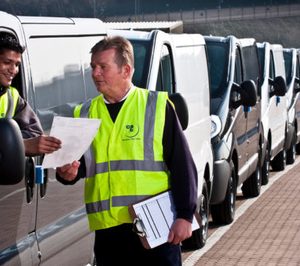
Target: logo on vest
{"type": "Point", "coordinates": [130, 132]}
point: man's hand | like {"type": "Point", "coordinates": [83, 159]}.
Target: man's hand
{"type": "Point", "coordinates": [68, 171]}
{"type": "Point", "coordinates": [180, 230]}
{"type": "Point", "coordinates": [41, 145]}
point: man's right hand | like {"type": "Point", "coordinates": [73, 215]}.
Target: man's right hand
{"type": "Point", "coordinates": [68, 171]}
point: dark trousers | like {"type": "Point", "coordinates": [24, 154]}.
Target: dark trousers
{"type": "Point", "coordinates": [121, 246]}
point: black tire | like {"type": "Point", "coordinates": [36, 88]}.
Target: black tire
{"type": "Point", "coordinates": [199, 236]}
{"type": "Point", "coordinates": [291, 155]}
{"type": "Point", "coordinates": [265, 171]}
{"type": "Point", "coordinates": [291, 152]}
{"type": "Point", "coordinates": [223, 213]}
{"type": "Point", "coordinates": [279, 162]}
{"type": "Point", "coordinates": [298, 148]}
{"type": "Point", "coordinates": [251, 187]}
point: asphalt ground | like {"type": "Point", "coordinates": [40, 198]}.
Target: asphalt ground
{"type": "Point", "coordinates": [266, 229]}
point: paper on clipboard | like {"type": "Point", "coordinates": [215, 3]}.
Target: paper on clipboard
{"type": "Point", "coordinates": [76, 135]}
{"type": "Point", "coordinates": [154, 217]}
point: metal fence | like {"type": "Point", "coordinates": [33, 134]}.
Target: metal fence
{"type": "Point", "coordinates": [219, 14]}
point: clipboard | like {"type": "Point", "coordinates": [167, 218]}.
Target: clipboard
{"type": "Point", "coordinates": [153, 218]}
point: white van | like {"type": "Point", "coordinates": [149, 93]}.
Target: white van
{"type": "Point", "coordinates": [237, 137]}
{"type": "Point", "coordinates": [46, 224]}
{"type": "Point", "coordinates": [291, 61]}
{"type": "Point", "coordinates": [177, 63]}
{"type": "Point", "coordinates": [273, 110]}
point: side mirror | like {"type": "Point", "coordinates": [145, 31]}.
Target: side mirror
{"type": "Point", "coordinates": [245, 94]}
{"type": "Point", "coordinates": [297, 81]}
{"type": "Point", "coordinates": [181, 109]}
{"type": "Point", "coordinates": [279, 86]}
{"type": "Point", "coordinates": [248, 93]}
{"type": "Point", "coordinates": [12, 153]}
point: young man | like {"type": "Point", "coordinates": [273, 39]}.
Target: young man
{"type": "Point", "coordinates": [13, 106]}
{"type": "Point", "coordinates": [140, 151]}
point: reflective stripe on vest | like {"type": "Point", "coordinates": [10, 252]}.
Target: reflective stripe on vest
{"type": "Point", "coordinates": [118, 201]}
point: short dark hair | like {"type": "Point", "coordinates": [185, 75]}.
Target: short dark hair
{"type": "Point", "coordinates": [123, 47]}
{"type": "Point", "coordinates": [9, 42]}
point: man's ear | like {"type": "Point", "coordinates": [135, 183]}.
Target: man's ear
{"type": "Point", "coordinates": [127, 70]}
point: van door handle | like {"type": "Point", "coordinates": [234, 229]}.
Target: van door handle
{"type": "Point", "coordinates": [43, 185]}
{"type": "Point", "coordinates": [29, 178]}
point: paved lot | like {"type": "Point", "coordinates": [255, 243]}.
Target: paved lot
{"type": "Point", "coordinates": [266, 230]}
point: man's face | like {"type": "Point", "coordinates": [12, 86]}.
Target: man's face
{"type": "Point", "coordinates": [107, 75]}
{"type": "Point", "coordinates": [9, 66]}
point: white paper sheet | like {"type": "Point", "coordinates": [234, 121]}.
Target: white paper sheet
{"type": "Point", "coordinates": [76, 135]}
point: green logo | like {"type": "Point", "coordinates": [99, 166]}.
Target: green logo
{"type": "Point", "coordinates": [131, 131]}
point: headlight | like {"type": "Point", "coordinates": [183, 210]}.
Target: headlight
{"type": "Point", "coordinates": [215, 126]}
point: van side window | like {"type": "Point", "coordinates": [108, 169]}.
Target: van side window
{"type": "Point", "coordinates": [61, 79]}
{"type": "Point", "coordinates": [238, 77]}
{"type": "Point", "coordinates": [165, 73]}
{"type": "Point", "coordinates": [298, 67]}
{"type": "Point", "coordinates": [272, 67]}
{"type": "Point", "coordinates": [288, 66]}
{"type": "Point", "coordinates": [17, 82]}
{"type": "Point", "coordinates": [142, 54]}
{"type": "Point", "coordinates": [218, 64]}
{"type": "Point", "coordinates": [252, 70]}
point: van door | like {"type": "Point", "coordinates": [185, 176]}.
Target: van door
{"type": "Point", "coordinates": [251, 72]}
{"type": "Point", "coordinates": [17, 243]}
{"type": "Point", "coordinates": [297, 97]}
{"type": "Point", "coordinates": [61, 78]}
{"type": "Point", "coordinates": [18, 208]}
{"type": "Point", "coordinates": [240, 116]}
{"type": "Point", "coordinates": [278, 110]}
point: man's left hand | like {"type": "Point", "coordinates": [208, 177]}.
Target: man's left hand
{"type": "Point", "coordinates": [180, 230]}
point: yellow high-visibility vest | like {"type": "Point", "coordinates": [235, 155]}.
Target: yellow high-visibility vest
{"type": "Point", "coordinates": [125, 162]}
{"type": "Point", "coordinates": [8, 103]}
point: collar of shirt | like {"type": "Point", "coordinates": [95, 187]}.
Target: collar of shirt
{"type": "Point", "coordinates": [2, 90]}
{"type": "Point", "coordinates": [125, 96]}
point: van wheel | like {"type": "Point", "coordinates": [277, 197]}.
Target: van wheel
{"type": "Point", "coordinates": [279, 162]}
{"type": "Point", "coordinates": [251, 187]}
{"type": "Point", "coordinates": [224, 212]}
{"type": "Point", "coordinates": [291, 152]}
{"type": "Point", "coordinates": [199, 236]}
{"type": "Point", "coordinates": [291, 155]}
{"type": "Point", "coordinates": [298, 148]}
{"type": "Point", "coordinates": [266, 166]}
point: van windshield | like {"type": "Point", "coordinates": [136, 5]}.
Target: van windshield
{"type": "Point", "coordinates": [218, 67]}
{"type": "Point", "coordinates": [142, 54]}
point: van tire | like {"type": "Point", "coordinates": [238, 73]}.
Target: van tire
{"type": "Point", "coordinates": [251, 187]}
{"type": "Point", "coordinates": [279, 162]}
{"type": "Point", "coordinates": [298, 148]}
{"type": "Point", "coordinates": [265, 171]}
{"type": "Point", "coordinates": [223, 213]}
{"type": "Point", "coordinates": [199, 236]}
{"type": "Point", "coordinates": [291, 153]}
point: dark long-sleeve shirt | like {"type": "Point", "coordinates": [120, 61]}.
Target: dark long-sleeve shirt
{"type": "Point", "coordinates": [26, 118]}
{"type": "Point", "coordinates": [178, 158]}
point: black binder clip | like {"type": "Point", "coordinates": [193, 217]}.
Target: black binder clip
{"type": "Point", "coordinates": [138, 227]}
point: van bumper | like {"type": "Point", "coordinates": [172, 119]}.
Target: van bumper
{"type": "Point", "coordinates": [222, 172]}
